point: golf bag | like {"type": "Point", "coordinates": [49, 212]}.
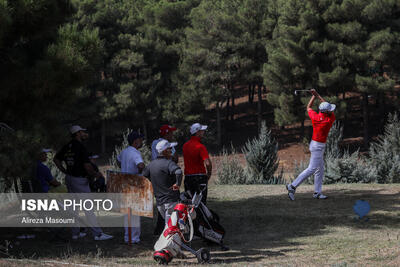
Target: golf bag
{"type": "Point", "coordinates": [172, 239]}
{"type": "Point", "coordinates": [206, 224]}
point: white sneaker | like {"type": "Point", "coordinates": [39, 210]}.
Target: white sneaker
{"type": "Point", "coordinates": [81, 234]}
{"type": "Point", "coordinates": [319, 196]}
{"type": "Point", "coordinates": [103, 236]}
{"type": "Point", "coordinates": [291, 191]}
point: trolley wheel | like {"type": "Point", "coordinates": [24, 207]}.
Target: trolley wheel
{"type": "Point", "coordinates": [203, 255]}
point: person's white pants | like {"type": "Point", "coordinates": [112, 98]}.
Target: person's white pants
{"type": "Point", "coordinates": [315, 167]}
{"type": "Point", "coordinates": [135, 224]}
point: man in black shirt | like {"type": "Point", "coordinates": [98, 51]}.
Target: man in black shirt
{"type": "Point", "coordinates": [78, 168]}
{"type": "Point", "coordinates": [166, 178]}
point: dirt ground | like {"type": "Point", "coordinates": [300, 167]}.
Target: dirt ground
{"type": "Point", "coordinates": [263, 228]}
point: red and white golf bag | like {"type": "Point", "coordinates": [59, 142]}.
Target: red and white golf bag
{"type": "Point", "coordinates": [170, 242]}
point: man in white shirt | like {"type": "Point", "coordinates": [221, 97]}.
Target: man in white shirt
{"type": "Point", "coordinates": [132, 162]}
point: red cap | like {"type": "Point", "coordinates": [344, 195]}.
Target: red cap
{"type": "Point", "coordinates": [166, 129]}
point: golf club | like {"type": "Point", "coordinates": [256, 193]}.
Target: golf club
{"type": "Point", "coordinates": [296, 92]}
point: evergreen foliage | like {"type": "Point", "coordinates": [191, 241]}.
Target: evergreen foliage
{"type": "Point", "coordinates": [348, 168]}
{"type": "Point", "coordinates": [385, 152]}
{"type": "Point", "coordinates": [44, 60]}
{"type": "Point", "coordinates": [335, 136]}
{"type": "Point", "coordinates": [261, 155]}
{"type": "Point", "coordinates": [291, 63]}
{"type": "Point", "coordinates": [146, 62]}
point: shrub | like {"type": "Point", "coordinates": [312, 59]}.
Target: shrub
{"type": "Point", "coordinates": [385, 152]}
{"type": "Point", "coordinates": [335, 136]}
{"type": "Point", "coordinates": [230, 170]}
{"type": "Point", "coordinates": [261, 155]}
{"type": "Point", "coordinates": [349, 168]}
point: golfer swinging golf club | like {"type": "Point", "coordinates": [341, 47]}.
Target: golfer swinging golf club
{"type": "Point", "coordinates": [322, 123]}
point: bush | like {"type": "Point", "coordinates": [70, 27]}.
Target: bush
{"type": "Point", "coordinates": [335, 136]}
{"type": "Point", "coordinates": [230, 171]}
{"type": "Point", "coordinates": [385, 152]}
{"type": "Point", "coordinates": [261, 155]}
{"type": "Point", "coordinates": [349, 168]}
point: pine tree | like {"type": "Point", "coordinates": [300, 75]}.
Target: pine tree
{"type": "Point", "coordinates": [385, 152]}
{"type": "Point", "coordinates": [291, 64]}
{"type": "Point", "coordinates": [142, 41]}
{"type": "Point", "coordinates": [257, 21]}
{"type": "Point", "coordinates": [261, 155]}
{"type": "Point", "coordinates": [212, 63]}
{"type": "Point", "coordinates": [359, 39]}
{"type": "Point", "coordinates": [44, 61]}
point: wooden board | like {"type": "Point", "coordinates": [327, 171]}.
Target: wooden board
{"type": "Point", "coordinates": [137, 192]}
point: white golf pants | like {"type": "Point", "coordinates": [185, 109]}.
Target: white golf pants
{"type": "Point", "coordinates": [316, 166]}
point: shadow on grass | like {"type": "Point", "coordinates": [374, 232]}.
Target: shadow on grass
{"type": "Point", "coordinates": [257, 227]}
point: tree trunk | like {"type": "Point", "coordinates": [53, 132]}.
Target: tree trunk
{"type": "Point", "coordinates": [103, 137]}
{"type": "Point", "coordinates": [259, 107]}
{"type": "Point", "coordinates": [251, 93]}
{"type": "Point", "coordinates": [227, 109]}
{"type": "Point", "coordinates": [365, 119]}
{"type": "Point", "coordinates": [233, 102]}
{"type": "Point", "coordinates": [302, 130]}
{"type": "Point", "coordinates": [218, 110]}
{"type": "Point", "coordinates": [144, 127]}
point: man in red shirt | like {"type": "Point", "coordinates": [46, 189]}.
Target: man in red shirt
{"type": "Point", "coordinates": [198, 165]}
{"type": "Point", "coordinates": [322, 123]}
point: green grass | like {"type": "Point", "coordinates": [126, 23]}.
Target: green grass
{"type": "Point", "coordinates": [263, 228]}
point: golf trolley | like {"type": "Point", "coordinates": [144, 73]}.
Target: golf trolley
{"type": "Point", "coordinates": [191, 217]}
{"type": "Point", "coordinates": [172, 240]}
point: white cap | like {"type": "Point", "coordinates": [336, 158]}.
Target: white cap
{"type": "Point", "coordinates": [76, 128]}
{"type": "Point", "coordinates": [325, 106]}
{"type": "Point", "coordinates": [94, 157]}
{"type": "Point", "coordinates": [46, 150]}
{"type": "Point", "coordinates": [197, 127]}
{"type": "Point", "coordinates": [163, 145]}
